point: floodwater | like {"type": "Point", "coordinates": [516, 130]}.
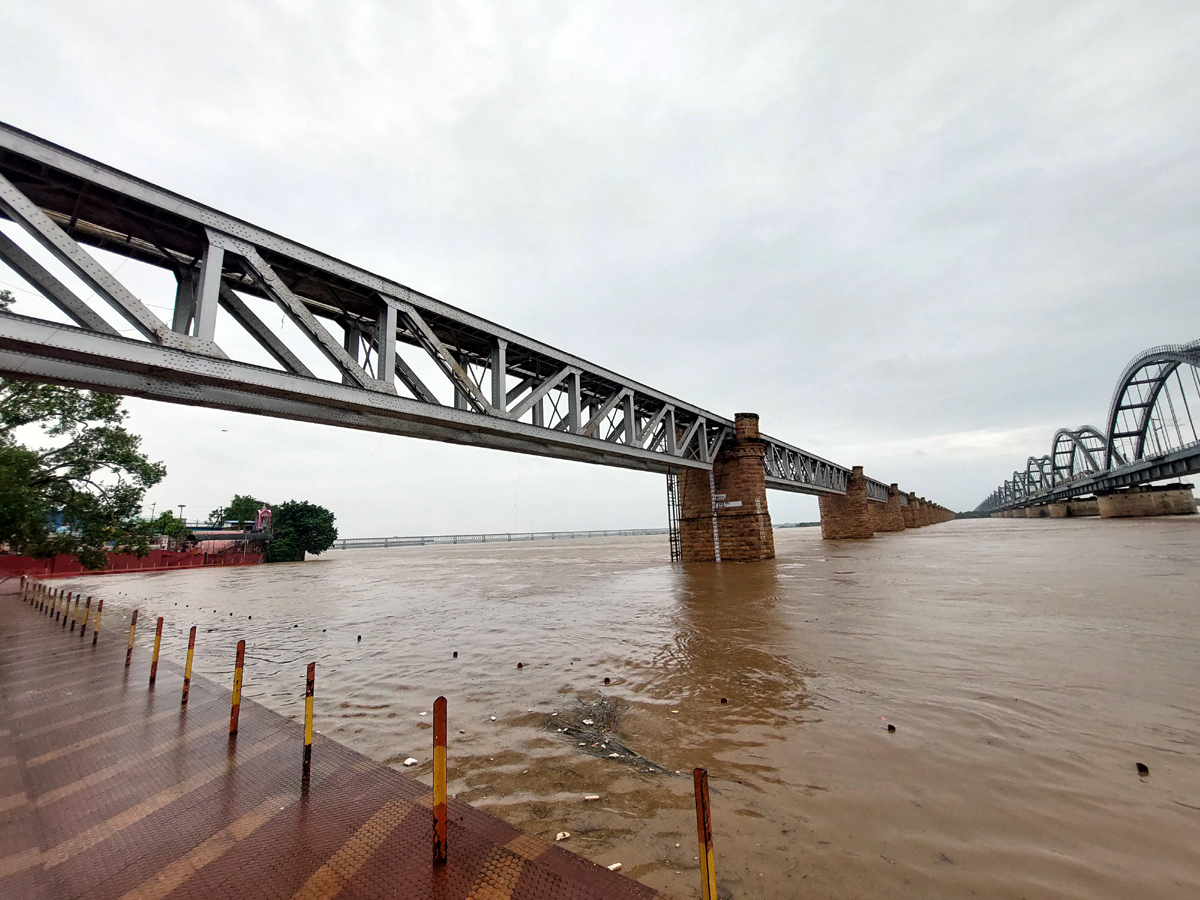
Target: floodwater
{"type": "Point", "coordinates": [1027, 666]}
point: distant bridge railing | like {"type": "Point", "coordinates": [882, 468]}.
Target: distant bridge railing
{"type": "Point", "coordinates": [489, 538]}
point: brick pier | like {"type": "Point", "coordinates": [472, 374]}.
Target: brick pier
{"type": "Point", "coordinates": [738, 490]}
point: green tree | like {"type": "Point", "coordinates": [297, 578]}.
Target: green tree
{"type": "Point", "coordinates": [300, 527]}
{"type": "Point", "coordinates": [241, 509]}
{"type": "Point", "coordinates": [88, 473]}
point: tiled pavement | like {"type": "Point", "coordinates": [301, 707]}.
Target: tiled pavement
{"type": "Point", "coordinates": [109, 790]}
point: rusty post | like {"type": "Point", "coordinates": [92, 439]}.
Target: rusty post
{"type": "Point", "coordinates": [157, 644]}
{"type": "Point", "coordinates": [75, 612]}
{"type": "Point", "coordinates": [708, 874]}
{"type": "Point", "coordinates": [132, 631]}
{"type": "Point", "coordinates": [49, 610]}
{"type": "Point", "coordinates": [308, 719]}
{"type": "Point", "coordinates": [439, 780]}
{"type": "Point", "coordinates": [187, 669]}
{"type": "Point", "coordinates": [237, 686]}
{"type": "Point", "coordinates": [66, 609]}
{"type": "Point", "coordinates": [96, 627]}
{"type": "Point", "coordinates": [58, 610]}
{"type": "Point", "coordinates": [86, 611]}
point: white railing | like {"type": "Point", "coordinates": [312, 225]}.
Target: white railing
{"type": "Point", "coordinates": [489, 538]}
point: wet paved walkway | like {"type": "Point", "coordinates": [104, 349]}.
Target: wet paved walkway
{"type": "Point", "coordinates": [109, 789]}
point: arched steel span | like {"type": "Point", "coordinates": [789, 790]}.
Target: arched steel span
{"type": "Point", "coordinates": [1151, 433]}
{"type": "Point", "coordinates": [1136, 424]}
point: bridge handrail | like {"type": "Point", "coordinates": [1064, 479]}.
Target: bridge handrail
{"type": "Point", "coordinates": [486, 538]}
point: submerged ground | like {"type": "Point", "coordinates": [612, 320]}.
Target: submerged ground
{"type": "Point", "coordinates": [1027, 666]}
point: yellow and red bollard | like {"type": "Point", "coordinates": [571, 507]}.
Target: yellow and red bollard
{"type": "Point", "coordinates": [86, 611]}
{"type": "Point", "coordinates": [157, 644]}
{"type": "Point", "coordinates": [237, 687]}
{"type": "Point", "coordinates": [708, 873]}
{"type": "Point", "coordinates": [308, 720]}
{"type": "Point", "coordinates": [439, 780]}
{"type": "Point", "coordinates": [96, 627]}
{"type": "Point", "coordinates": [132, 631]}
{"type": "Point", "coordinates": [187, 669]}
{"type": "Point", "coordinates": [66, 610]}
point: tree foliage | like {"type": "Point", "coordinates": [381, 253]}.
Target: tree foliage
{"type": "Point", "coordinates": [241, 509]}
{"type": "Point", "coordinates": [87, 474]}
{"type": "Point", "coordinates": [300, 527]}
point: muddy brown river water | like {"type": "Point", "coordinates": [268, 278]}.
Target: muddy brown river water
{"type": "Point", "coordinates": [1027, 666]}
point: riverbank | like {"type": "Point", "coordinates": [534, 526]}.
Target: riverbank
{"type": "Point", "coordinates": [111, 788]}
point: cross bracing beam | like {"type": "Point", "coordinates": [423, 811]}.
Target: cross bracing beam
{"type": "Point", "coordinates": [518, 393]}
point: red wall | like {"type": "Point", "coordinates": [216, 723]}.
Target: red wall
{"type": "Point", "coordinates": [156, 561]}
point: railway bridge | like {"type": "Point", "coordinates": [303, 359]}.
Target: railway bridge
{"type": "Point", "coordinates": [1130, 467]}
{"type": "Point", "coordinates": [363, 351]}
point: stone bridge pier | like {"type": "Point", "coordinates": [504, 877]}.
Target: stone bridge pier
{"type": "Point", "coordinates": [723, 513]}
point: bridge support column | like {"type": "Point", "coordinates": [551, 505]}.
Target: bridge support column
{"type": "Point", "coordinates": [733, 498]}
{"type": "Point", "coordinates": [848, 517]}
{"type": "Point", "coordinates": [1059, 510]}
{"type": "Point", "coordinates": [889, 516]}
{"type": "Point", "coordinates": [1154, 500]}
{"type": "Point", "coordinates": [1087, 507]}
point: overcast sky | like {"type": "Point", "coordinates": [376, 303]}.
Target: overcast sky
{"type": "Point", "coordinates": [914, 236]}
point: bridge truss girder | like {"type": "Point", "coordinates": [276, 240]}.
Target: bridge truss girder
{"type": "Point", "coordinates": [509, 391]}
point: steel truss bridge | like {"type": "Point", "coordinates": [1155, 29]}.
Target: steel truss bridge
{"type": "Point", "coordinates": [1150, 435]}
{"type": "Point", "coordinates": [487, 386]}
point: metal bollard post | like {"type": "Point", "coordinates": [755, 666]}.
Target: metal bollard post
{"type": "Point", "coordinates": [53, 600]}
{"type": "Point", "coordinates": [157, 644]}
{"type": "Point", "coordinates": [86, 611]}
{"type": "Point", "coordinates": [96, 627]}
{"type": "Point", "coordinates": [75, 612]}
{"type": "Point", "coordinates": [708, 873]}
{"type": "Point", "coordinates": [308, 719]}
{"type": "Point", "coordinates": [57, 610]}
{"type": "Point", "coordinates": [237, 687]}
{"type": "Point", "coordinates": [66, 609]}
{"type": "Point", "coordinates": [439, 780]}
{"type": "Point", "coordinates": [132, 631]}
{"type": "Point", "coordinates": [187, 669]}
